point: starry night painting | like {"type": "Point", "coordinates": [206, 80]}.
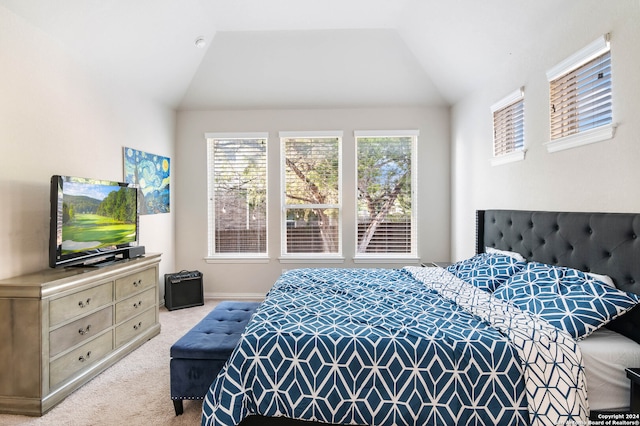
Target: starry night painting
{"type": "Point", "coordinates": [151, 173]}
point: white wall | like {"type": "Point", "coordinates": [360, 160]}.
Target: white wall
{"type": "Point", "coordinates": [233, 279]}
{"type": "Point", "coordinates": [56, 118]}
{"type": "Point", "coordinates": [604, 176]}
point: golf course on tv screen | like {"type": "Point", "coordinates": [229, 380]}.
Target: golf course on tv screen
{"type": "Point", "coordinates": [97, 217]}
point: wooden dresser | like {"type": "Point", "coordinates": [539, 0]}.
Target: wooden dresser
{"type": "Point", "coordinates": [59, 328]}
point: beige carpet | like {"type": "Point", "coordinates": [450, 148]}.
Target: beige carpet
{"type": "Point", "coordinates": [134, 391]}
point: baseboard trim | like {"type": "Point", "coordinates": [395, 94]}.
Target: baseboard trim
{"type": "Point", "coordinates": [234, 296]}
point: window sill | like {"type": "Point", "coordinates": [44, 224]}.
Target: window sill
{"type": "Point", "coordinates": [311, 259]}
{"type": "Point", "coordinates": [508, 158]}
{"type": "Point", "coordinates": [386, 259]}
{"type": "Point", "coordinates": [237, 259]}
{"type": "Point", "coordinates": [598, 134]}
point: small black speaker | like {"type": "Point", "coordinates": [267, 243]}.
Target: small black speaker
{"type": "Point", "coordinates": [183, 290]}
{"type": "Point", "coordinates": [133, 252]}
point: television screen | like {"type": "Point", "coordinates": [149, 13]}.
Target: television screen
{"type": "Point", "coordinates": [91, 219]}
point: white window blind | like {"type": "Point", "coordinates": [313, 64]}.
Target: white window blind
{"type": "Point", "coordinates": [237, 180]}
{"type": "Point", "coordinates": [508, 124]}
{"type": "Point", "coordinates": [580, 91]}
{"type": "Point", "coordinates": [386, 205]}
{"type": "Point", "coordinates": [312, 198]}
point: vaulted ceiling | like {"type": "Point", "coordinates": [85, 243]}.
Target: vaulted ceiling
{"type": "Point", "coordinates": [300, 53]}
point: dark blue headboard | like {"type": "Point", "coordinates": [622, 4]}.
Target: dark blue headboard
{"type": "Point", "coordinates": [603, 243]}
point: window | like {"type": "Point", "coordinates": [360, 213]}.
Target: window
{"type": "Point", "coordinates": [580, 97]}
{"type": "Point", "coordinates": [386, 204]}
{"type": "Point", "coordinates": [237, 184]}
{"type": "Point", "coordinates": [312, 208]}
{"type": "Point", "coordinates": [508, 128]}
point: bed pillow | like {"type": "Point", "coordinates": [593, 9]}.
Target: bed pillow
{"type": "Point", "coordinates": [567, 298]}
{"type": "Point", "coordinates": [513, 254]}
{"type": "Point", "coordinates": [603, 278]}
{"type": "Point", "coordinates": [486, 270]}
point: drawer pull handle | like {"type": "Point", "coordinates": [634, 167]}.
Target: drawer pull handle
{"type": "Point", "coordinates": [83, 304]}
{"type": "Point", "coordinates": [137, 283]}
{"type": "Point", "coordinates": [137, 326]}
{"type": "Point", "coordinates": [84, 331]}
{"type": "Point", "coordinates": [85, 358]}
{"type": "Point", "coordinates": [137, 305]}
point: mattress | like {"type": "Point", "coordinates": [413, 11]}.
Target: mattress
{"type": "Point", "coordinates": [606, 354]}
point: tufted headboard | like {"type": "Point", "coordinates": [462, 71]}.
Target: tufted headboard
{"type": "Point", "coordinates": [603, 243]}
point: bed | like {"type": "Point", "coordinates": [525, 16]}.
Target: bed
{"type": "Point", "coordinates": [461, 345]}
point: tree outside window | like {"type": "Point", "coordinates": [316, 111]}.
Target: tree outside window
{"type": "Point", "coordinates": [312, 199]}
{"type": "Point", "coordinates": [385, 208]}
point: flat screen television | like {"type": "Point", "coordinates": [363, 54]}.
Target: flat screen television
{"type": "Point", "coordinates": [93, 221]}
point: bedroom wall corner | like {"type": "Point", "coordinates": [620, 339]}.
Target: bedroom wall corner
{"type": "Point", "coordinates": [58, 117]}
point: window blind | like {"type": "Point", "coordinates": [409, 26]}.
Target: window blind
{"type": "Point", "coordinates": [385, 195]}
{"type": "Point", "coordinates": [312, 203]}
{"type": "Point", "coordinates": [581, 99]}
{"type": "Point", "coordinates": [508, 128]}
{"type": "Point", "coordinates": [238, 195]}
{"type": "Point", "coordinates": [508, 124]}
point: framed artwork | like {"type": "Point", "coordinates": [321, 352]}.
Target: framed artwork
{"type": "Point", "coordinates": [151, 173]}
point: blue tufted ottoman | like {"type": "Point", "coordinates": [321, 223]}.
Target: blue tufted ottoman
{"type": "Point", "coordinates": [198, 356]}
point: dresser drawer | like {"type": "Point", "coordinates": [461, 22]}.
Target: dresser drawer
{"type": "Point", "coordinates": [136, 325]}
{"type": "Point", "coordinates": [79, 358]}
{"type": "Point", "coordinates": [79, 330]}
{"type": "Point", "coordinates": [135, 304]}
{"type": "Point", "coordinates": [135, 282]}
{"type": "Point", "coordinates": [78, 303]}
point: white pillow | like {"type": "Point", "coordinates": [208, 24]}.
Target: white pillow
{"type": "Point", "coordinates": [606, 279]}
{"type": "Point", "coordinates": [517, 256]}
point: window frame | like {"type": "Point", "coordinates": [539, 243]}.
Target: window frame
{"type": "Point", "coordinates": [310, 257]}
{"type": "Point", "coordinates": [517, 154]}
{"type": "Point", "coordinates": [240, 257]}
{"type": "Point", "coordinates": [413, 256]}
{"type": "Point", "coordinates": [593, 50]}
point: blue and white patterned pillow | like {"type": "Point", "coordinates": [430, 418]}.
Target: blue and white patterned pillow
{"type": "Point", "coordinates": [569, 299]}
{"type": "Point", "coordinates": [486, 270]}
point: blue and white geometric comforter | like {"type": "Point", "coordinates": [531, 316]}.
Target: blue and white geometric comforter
{"type": "Point", "coordinates": [414, 346]}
